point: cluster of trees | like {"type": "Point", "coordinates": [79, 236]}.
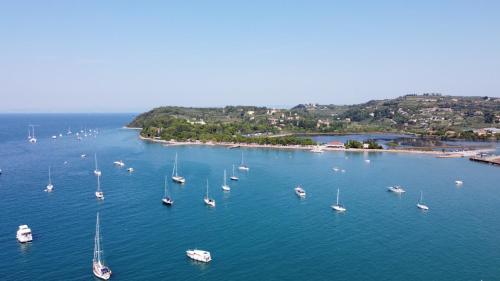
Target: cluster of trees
{"type": "Point", "coordinates": [357, 144]}
{"type": "Point", "coordinates": [237, 132]}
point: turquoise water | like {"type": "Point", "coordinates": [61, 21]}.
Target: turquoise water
{"type": "Point", "coordinates": [258, 231]}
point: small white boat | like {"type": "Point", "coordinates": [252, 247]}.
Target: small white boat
{"type": "Point", "coordinates": [99, 193]}
{"type": "Point", "coordinates": [50, 186]}
{"type": "Point", "coordinates": [54, 137]}
{"type": "Point", "coordinates": [396, 189]}
{"type": "Point", "coordinates": [317, 149]}
{"type": "Point", "coordinates": [69, 132]}
{"type": "Point", "coordinates": [97, 172]}
{"type": "Point", "coordinates": [83, 156]}
{"type": "Point", "coordinates": [119, 163]}
{"type": "Point", "coordinates": [60, 135]}
{"type": "Point", "coordinates": [130, 170]}
{"type": "Point", "coordinates": [175, 177]}
{"type": "Point", "coordinates": [234, 177]}
{"type": "Point", "coordinates": [167, 200]}
{"type": "Point", "coordinates": [300, 192]}
{"type": "Point", "coordinates": [209, 201]}
{"type": "Point", "coordinates": [459, 182]}
{"type": "Point", "coordinates": [23, 234]}
{"type": "Point", "coordinates": [335, 169]}
{"type": "Point", "coordinates": [337, 206]}
{"type": "Point", "coordinates": [421, 205]}
{"type": "Point", "coordinates": [100, 270]}
{"type": "Point", "coordinates": [243, 166]}
{"type": "Point", "coordinates": [199, 255]}
{"type": "Point", "coordinates": [31, 137]}
{"type": "Point", "coordinates": [343, 171]}
{"type": "Point", "coordinates": [367, 161]}
{"type": "Point", "coordinates": [225, 187]}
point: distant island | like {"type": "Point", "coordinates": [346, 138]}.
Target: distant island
{"type": "Point", "coordinates": [427, 115]}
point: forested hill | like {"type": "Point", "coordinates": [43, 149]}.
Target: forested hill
{"type": "Point", "coordinates": [428, 114]}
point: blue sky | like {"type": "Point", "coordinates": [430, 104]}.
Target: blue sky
{"type": "Point", "coordinates": [130, 56]}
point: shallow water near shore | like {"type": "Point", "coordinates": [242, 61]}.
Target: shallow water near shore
{"type": "Point", "coordinates": [260, 230]}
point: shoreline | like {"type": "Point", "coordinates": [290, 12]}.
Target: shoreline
{"type": "Point", "coordinates": [438, 154]}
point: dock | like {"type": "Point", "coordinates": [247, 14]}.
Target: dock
{"type": "Point", "coordinates": [492, 159]}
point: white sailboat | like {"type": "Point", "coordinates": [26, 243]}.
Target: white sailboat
{"type": "Point", "coordinates": [243, 166]}
{"type": "Point", "coordinates": [50, 186]}
{"type": "Point", "coordinates": [100, 270]}
{"type": "Point", "coordinates": [209, 201]}
{"type": "Point", "coordinates": [99, 193]}
{"type": "Point", "coordinates": [337, 206]}
{"type": "Point", "coordinates": [300, 192]}
{"type": "Point", "coordinates": [420, 203]}
{"type": "Point", "coordinates": [97, 172]}
{"type": "Point", "coordinates": [32, 137]}
{"type": "Point", "coordinates": [225, 187]}
{"type": "Point", "coordinates": [166, 199]}
{"type": "Point", "coordinates": [119, 163]}
{"type": "Point", "coordinates": [234, 177]}
{"type": "Point", "coordinates": [175, 177]}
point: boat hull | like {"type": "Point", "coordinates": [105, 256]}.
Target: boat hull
{"type": "Point", "coordinates": [198, 255]}
{"type": "Point", "coordinates": [97, 269]}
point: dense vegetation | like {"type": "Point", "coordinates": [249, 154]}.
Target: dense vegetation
{"type": "Point", "coordinates": [446, 117]}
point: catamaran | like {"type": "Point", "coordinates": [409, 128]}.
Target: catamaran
{"type": "Point", "coordinates": [97, 172]}
{"type": "Point", "coordinates": [209, 201]}
{"type": "Point", "coordinates": [337, 206]}
{"type": "Point", "coordinates": [175, 177]}
{"type": "Point", "coordinates": [50, 186]}
{"type": "Point", "coordinates": [199, 255]}
{"type": "Point", "coordinates": [100, 270]}
{"type": "Point", "coordinates": [166, 199]}
{"type": "Point", "coordinates": [243, 166]}
{"type": "Point", "coordinates": [300, 192]}
{"type": "Point", "coordinates": [234, 177]}
{"type": "Point", "coordinates": [23, 234]}
{"type": "Point", "coordinates": [98, 193]}
{"type": "Point", "coordinates": [421, 205]}
{"type": "Point", "coordinates": [225, 187]}
{"type": "Point", "coordinates": [396, 189]}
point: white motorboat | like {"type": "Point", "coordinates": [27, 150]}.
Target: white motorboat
{"type": "Point", "coordinates": [83, 156]}
{"type": "Point", "coordinates": [119, 163]}
{"type": "Point", "coordinates": [69, 132]}
{"type": "Point", "coordinates": [130, 170]}
{"type": "Point", "coordinates": [50, 186]}
{"type": "Point", "coordinates": [60, 135]}
{"type": "Point", "coordinates": [99, 193]}
{"type": "Point", "coordinates": [97, 172]}
{"type": "Point", "coordinates": [209, 201]}
{"type": "Point", "coordinates": [98, 267]}
{"type": "Point", "coordinates": [396, 189]}
{"type": "Point", "coordinates": [234, 177]}
{"type": "Point", "coordinates": [367, 161]}
{"type": "Point", "coordinates": [167, 200]}
{"type": "Point", "coordinates": [337, 206]}
{"type": "Point", "coordinates": [23, 234]}
{"type": "Point", "coordinates": [175, 177]}
{"type": "Point", "coordinates": [335, 169]}
{"type": "Point", "coordinates": [54, 137]}
{"type": "Point", "coordinates": [300, 192]}
{"type": "Point", "coordinates": [317, 149]}
{"type": "Point", "coordinates": [243, 166]}
{"type": "Point", "coordinates": [459, 182]}
{"type": "Point", "coordinates": [420, 203]}
{"type": "Point", "coordinates": [199, 255]}
{"type": "Point", "coordinates": [225, 187]}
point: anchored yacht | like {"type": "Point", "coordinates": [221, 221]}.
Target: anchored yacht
{"type": "Point", "coordinates": [23, 234]}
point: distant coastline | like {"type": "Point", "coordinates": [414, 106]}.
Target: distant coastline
{"type": "Point", "coordinates": [438, 154]}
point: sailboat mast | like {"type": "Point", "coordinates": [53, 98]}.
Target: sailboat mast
{"type": "Point", "coordinates": [225, 178]}
{"type": "Point", "coordinates": [207, 188]}
{"type": "Point", "coordinates": [95, 158]}
{"type": "Point", "coordinates": [98, 184]}
{"type": "Point", "coordinates": [97, 248]}
{"type": "Point", "coordinates": [338, 191]}
{"type": "Point", "coordinates": [165, 192]}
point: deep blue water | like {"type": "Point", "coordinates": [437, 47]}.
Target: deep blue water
{"type": "Point", "coordinates": [259, 231]}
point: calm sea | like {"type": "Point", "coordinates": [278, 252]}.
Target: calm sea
{"type": "Point", "coordinates": [258, 231]}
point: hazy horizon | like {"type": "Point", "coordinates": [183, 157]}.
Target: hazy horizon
{"type": "Point", "coordinates": [118, 56]}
